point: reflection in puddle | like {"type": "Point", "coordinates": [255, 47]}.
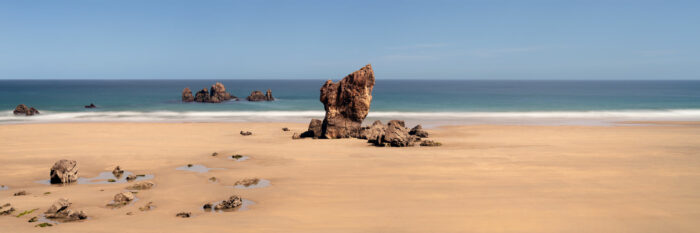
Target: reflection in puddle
{"type": "Point", "coordinates": [261, 184]}
{"type": "Point", "coordinates": [4, 187]}
{"type": "Point", "coordinates": [238, 158]}
{"type": "Point", "coordinates": [105, 178]}
{"type": "Point", "coordinates": [42, 218]}
{"type": "Point", "coordinates": [196, 168]}
{"type": "Point", "coordinates": [244, 206]}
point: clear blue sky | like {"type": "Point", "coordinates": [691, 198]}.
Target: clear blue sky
{"type": "Point", "coordinates": [484, 39]}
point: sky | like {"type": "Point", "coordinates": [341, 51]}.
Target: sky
{"type": "Point", "coordinates": [480, 39]}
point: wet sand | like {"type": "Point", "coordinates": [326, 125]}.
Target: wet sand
{"type": "Point", "coordinates": [486, 178]}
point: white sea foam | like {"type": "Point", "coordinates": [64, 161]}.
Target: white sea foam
{"type": "Point", "coordinates": [535, 117]}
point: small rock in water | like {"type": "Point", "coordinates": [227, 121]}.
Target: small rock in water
{"type": "Point", "coordinates": [247, 182]}
{"type": "Point", "coordinates": [183, 214]}
{"type": "Point", "coordinates": [33, 219]}
{"type": "Point", "coordinates": [131, 177]}
{"type": "Point", "coordinates": [117, 172]}
{"type": "Point", "coordinates": [20, 193]}
{"type": "Point", "coordinates": [236, 157]}
{"type": "Point", "coordinates": [24, 110]}
{"type": "Point", "coordinates": [142, 185]}
{"type": "Point", "coordinates": [232, 202]}
{"type": "Point", "coordinates": [246, 133]}
{"type": "Point", "coordinates": [92, 105]}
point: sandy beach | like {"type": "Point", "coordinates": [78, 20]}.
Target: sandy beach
{"type": "Point", "coordinates": [486, 178]}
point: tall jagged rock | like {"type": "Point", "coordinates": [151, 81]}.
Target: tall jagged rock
{"type": "Point", "coordinates": [187, 95]}
{"type": "Point", "coordinates": [218, 93]}
{"type": "Point", "coordinates": [347, 103]}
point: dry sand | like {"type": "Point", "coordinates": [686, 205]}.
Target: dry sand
{"type": "Point", "coordinates": [485, 178]}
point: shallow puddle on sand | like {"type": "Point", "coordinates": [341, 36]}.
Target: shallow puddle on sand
{"type": "Point", "coordinates": [104, 177]}
{"type": "Point", "coordinates": [261, 184]}
{"type": "Point", "coordinates": [196, 168]}
{"type": "Point", "coordinates": [4, 187]}
{"type": "Point", "coordinates": [244, 206]}
{"type": "Point", "coordinates": [238, 159]}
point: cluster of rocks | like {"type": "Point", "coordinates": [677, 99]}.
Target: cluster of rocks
{"type": "Point", "coordinates": [259, 96]}
{"type": "Point", "coordinates": [59, 211]}
{"type": "Point", "coordinates": [393, 134]}
{"type": "Point", "coordinates": [347, 104]}
{"type": "Point", "coordinates": [24, 110]}
{"type": "Point", "coordinates": [217, 94]}
{"type": "Point", "coordinates": [6, 209]}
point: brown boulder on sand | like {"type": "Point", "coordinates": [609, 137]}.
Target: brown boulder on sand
{"type": "Point", "coordinates": [64, 171]}
{"type": "Point", "coordinates": [315, 129]}
{"type": "Point", "coordinates": [24, 110]}
{"type": "Point", "coordinates": [59, 211]}
{"type": "Point", "coordinates": [187, 95]}
{"type": "Point", "coordinates": [419, 132]}
{"type": "Point", "coordinates": [347, 103]}
{"type": "Point", "coordinates": [259, 96]}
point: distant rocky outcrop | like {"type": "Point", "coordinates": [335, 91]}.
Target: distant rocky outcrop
{"type": "Point", "coordinates": [216, 94]}
{"type": "Point", "coordinates": [59, 211]}
{"type": "Point", "coordinates": [92, 105]}
{"type": "Point", "coordinates": [64, 171]}
{"type": "Point", "coordinates": [187, 95]}
{"type": "Point", "coordinates": [347, 103]}
{"type": "Point", "coordinates": [24, 110]}
{"type": "Point", "coordinates": [259, 96]}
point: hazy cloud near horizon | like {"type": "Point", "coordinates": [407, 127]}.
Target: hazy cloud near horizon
{"type": "Point", "coordinates": [328, 39]}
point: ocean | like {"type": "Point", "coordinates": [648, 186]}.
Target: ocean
{"type": "Point", "coordinates": [432, 102]}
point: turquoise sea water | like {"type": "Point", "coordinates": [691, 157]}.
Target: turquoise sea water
{"type": "Point", "coordinates": [430, 100]}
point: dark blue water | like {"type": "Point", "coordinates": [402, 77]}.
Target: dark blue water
{"type": "Point", "coordinates": [128, 98]}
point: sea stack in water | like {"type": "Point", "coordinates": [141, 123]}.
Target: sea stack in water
{"type": "Point", "coordinates": [24, 110]}
{"type": "Point", "coordinates": [259, 96]}
{"type": "Point", "coordinates": [216, 94]}
{"type": "Point", "coordinates": [347, 103]}
{"type": "Point", "coordinates": [64, 171]}
{"type": "Point", "coordinates": [187, 95]}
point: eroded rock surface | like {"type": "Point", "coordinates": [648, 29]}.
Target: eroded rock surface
{"type": "Point", "coordinates": [347, 103]}
{"type": "Point", "coordinates": [64, 171]}
{"type": "Point", "coordinates": [187, 95]}
{"type": "Point", "coordinates": [232, 202]}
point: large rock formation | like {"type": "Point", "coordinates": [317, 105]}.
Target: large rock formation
{"type": "Point", "coordinates": [24, 110]}
{"type": "Point", "coordinates": [64, 171]}
{"type": "Point", "coordinates": [347, 103]}
{"type": "Point", "coordinates": [259, 96]}
{"type": "Point", "coordinates": [187, 95]}
{"type": "Point", "coordinates": [217, 94]}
